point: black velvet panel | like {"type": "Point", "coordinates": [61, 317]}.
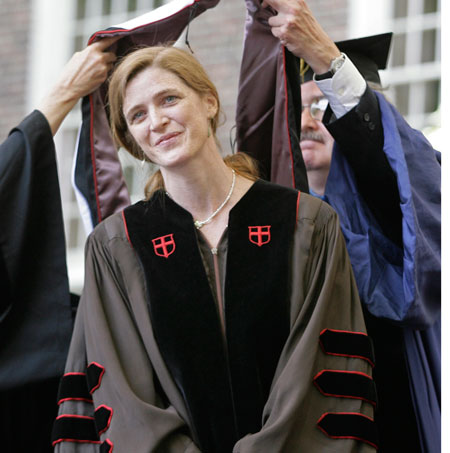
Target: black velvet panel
{"type": "Point", "coordinates": [257, 297]}
{"type": "Point", "coordinates": [294, 119]}
{"type": "Point", "coordinates": [103, 415]}
{"type": "Point", "coordinates": [74, 428]}
{"type": "Point", "coordinates": [94, 374]}
{"type": "Point", "coordinates": [106, 447]}
{"type": "Point", "coordinates": [224, 402]}
{"type": "Point", "coordinates": [347, 344]}
{"type": "Point", "coordinates": [184, 318]}
{"type": "Point", "coordinates": [342, 425]}
{"type": "Point", "coordinates": [73, 386]}
{"type": "Point", "coordinates": [346, 384]}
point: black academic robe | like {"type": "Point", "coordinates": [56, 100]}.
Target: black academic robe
{"type": "Point", "coordinates": [35, 308]}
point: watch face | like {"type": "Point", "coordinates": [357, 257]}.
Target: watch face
{"type": "Point", "coordinates": [337, 63]}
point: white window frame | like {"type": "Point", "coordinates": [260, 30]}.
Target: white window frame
{"type": "Point", "coordinates": [365, 19]}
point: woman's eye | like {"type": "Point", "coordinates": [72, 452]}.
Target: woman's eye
{"type": "Point", "coordinates": [170, 99]}
{"type": "Point", "coordinates": [137, 116]}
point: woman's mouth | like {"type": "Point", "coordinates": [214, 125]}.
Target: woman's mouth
{"type": "Point", "coordinates": [167, 138]}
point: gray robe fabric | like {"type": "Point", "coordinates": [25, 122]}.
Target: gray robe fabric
{"type": "Point", "coordinates": [113, 328]}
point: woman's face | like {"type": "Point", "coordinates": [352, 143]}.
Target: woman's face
{"type": "Point", "coordinates": [168, 120]}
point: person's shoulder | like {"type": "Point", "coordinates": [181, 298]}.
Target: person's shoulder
{"type": "Point", "coordinates": [308, 206]}
{"type": "Point", "coordinates": [113, 227]}
{"type": "Point", "coordinates": [273, 188]}
{"type": "Point", "coordinates": [314, 209]}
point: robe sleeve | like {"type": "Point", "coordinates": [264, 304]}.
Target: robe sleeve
{"type": "Point", "coordinates": [35, 311]}
{"type": "Point", "coordinates": [123, 407]}
{"type": "Point", "coordinates": [324, 297]}
{"type": "Point", "coordinates": [399, 282]}
{"type": "Point", "coordinates": [359, 134]}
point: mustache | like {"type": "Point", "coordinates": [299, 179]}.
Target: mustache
{"type": "Point", "coordinates": [312, 135]}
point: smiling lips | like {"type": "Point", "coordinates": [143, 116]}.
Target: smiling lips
{"type": "Point", "coordinates": [166, 138]}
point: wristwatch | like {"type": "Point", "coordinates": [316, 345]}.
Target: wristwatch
{"type": "Point", "coordinates": [335, 65]}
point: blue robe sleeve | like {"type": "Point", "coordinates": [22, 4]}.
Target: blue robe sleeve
{"type": "Point", "coordinates": [400, 282]}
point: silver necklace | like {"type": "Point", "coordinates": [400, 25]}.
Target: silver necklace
{"type": "Point", "coordinates": [199, 223]}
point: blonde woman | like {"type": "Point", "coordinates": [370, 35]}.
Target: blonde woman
{"type": "Point", "coordinates": [220, 313]}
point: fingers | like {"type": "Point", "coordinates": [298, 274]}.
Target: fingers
{"type": "Point", "coordinates": [104, 43]}
{"type": "Point", "coordinates": [275, 4]}
{"type": "Point", "coordinates": [277, 21]}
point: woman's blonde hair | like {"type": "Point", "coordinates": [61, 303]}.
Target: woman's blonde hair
{"type": "Point", "coordinates": [191, 72]}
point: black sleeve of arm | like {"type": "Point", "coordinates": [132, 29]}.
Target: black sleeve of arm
{"type": "Point", "coordinates": [359, 134]}
{"type": "Point", "coordinates": [31, 228]}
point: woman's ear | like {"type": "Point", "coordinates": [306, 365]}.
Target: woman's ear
{"type": "Point", "coordinates": [211, 104]}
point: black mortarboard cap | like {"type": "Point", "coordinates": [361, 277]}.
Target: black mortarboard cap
{"type": "Point", "coordinates": [369, 54]}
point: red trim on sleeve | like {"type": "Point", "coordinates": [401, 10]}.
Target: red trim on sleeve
{"type": "Point", "coordinates": [94, 166]}
{"type": "Point", "coordinates": [344, 331]}
{"type": "Point", "coordinates": [343, 396]}
{"type": "Point", "coordinates": [126, 228]}
{"type": "Point", "coordinates": [78, 441]}
{"type": "Point", "coordinates": [345, 355]}
{"type": "Point", "coordinates": [343, 371]}
{"type": "Point", "coordinates": [351, 356]}
{"type": "Point", "coordinates": [99, 378]}
{"type": "Point", "coordinates": [74, 373]}
{"type": "Point", "coordinates": [298, 204]}
{"type": "Point", "coordinates": [103, 32]}
{"type": "Point", "coordinates": [109, 409]}
{"type": "Point", "coordinates": [86, 417]}
{"type": "Point", "coordinates": [63, 400]}
{"type": "Point", "coordinates": [346, 437]}
{"type": "Point", "coordinates": [110, 445]}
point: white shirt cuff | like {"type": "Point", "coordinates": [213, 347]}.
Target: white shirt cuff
{"type": "Point", "coordinates": [344, 89]}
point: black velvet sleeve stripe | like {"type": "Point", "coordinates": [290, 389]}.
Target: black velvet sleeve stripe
{"type": "Point", "coordinates": [349, 425]}
{"type": "Point", "coordinates": [103, 415]}
{"type": "Point", "coordinates": [347, 344]}
{"type": "Point", "coordinates": [106, 447]}
{"type": "Point", "coordinates": [346, 384]}
{"type": "Point", "coordinates": [74, 428]}
{"type": "Point", "coordinates": [73, 386]}
{"type": "Point", "coordinates": [94, 375]}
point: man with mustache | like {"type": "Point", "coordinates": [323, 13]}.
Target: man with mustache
{"type": "Point", "coordinates": [383, 179]}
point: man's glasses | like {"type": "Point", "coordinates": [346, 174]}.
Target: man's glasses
{"type": "Point", "coordinates": [316, 108]}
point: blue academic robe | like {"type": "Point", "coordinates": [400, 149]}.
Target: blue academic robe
{"type": "Point", "coordinates": [400, 282]}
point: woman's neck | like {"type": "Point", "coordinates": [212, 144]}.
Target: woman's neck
{"type": "Point", "coordinates": [199, 187]}
{"type": "Point", "coordinates": [202, 188]}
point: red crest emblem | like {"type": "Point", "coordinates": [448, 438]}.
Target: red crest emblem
{"type": "Point", "coordinates": [259, 235]}
{"type": "Point", "coordinates": [164, 245]}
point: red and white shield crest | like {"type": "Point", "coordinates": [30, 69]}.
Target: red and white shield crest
{"type": "Point", "coordinates": [164, 245]}
{"type": "Point", "coordinates": [259, 235]}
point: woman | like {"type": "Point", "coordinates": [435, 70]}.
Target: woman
{"type": "Point", "coordinates": [219, 314]}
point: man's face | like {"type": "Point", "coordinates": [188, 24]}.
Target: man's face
{"type": "Point", "coordinates": [316, 142]}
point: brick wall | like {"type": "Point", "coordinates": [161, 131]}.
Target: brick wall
{"type": "Point", "coordinates": [216, 38]}
{"type": "Point", "coordinates": [14, 39]}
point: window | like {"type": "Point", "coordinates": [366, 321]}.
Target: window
{"type": "Point", "coordinates": [414, 69]}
